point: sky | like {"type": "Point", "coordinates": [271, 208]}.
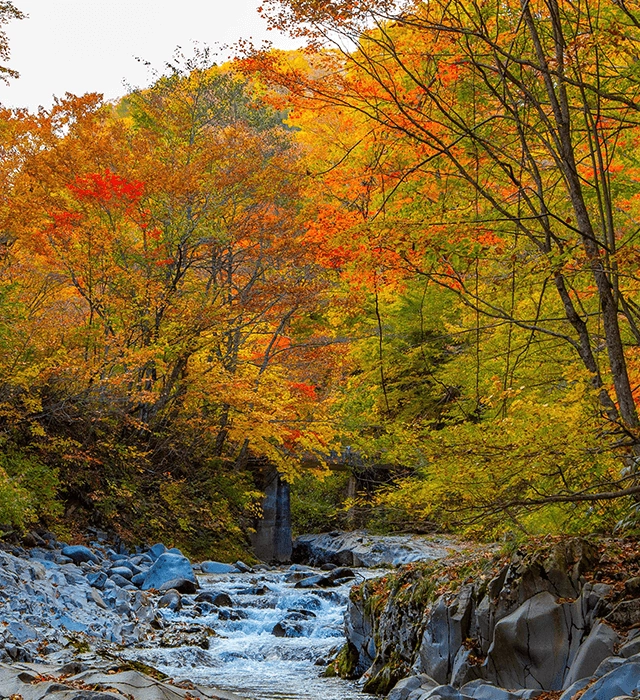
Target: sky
{"type": "Point", "coordinates": [81, 46]}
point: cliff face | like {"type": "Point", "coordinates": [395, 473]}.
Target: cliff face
{"type": "Point", "coordinates": [541, 620]}
{"type": "Point", "coordinates": [272, 540]}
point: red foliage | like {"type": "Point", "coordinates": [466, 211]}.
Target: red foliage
{"type": "Point", "coordinates": [106, 187]}
{"type": "Point", "coordinates": [305, 389]}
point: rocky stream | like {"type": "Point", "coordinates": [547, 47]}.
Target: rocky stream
{"type": "Point", "coordinates": [102, 623]}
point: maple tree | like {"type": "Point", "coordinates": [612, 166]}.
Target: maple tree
{"type": "Point", "coordinates": [158, 243]}
{"type": "Point", "coordinates": [417, 238]}
{"type": "Point", "coordinates": [494, 157]}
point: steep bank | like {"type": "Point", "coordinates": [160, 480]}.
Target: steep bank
{"type": "Point", "coordinates": [560, 617]}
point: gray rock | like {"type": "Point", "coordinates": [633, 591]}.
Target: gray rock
{"type": "Point", "coordinates": [216, 567]}
{"type": "Point", "coordinates": [116, 686]}
{"type": "Point", "coordinates": [287, 628]}
{"type": "Point", "coordinates": [296, 576]}
{"type": "Point", "coordinates": [598, 645]}
{"type": "Point", "coordinates": [626, 614]}
{"type": "Point", "coordinates": [171, 599]}
{"type": "Point", "coordinates": [359, 631]}
{"type": "Point", "coordinates": [79, 553]}
{"type": "Point", "coordinates": [608, 665]}
{"type": "Point", "coordinates": [120, 580]}
{"type": "Point", "coordinates": [142, 560]}
{"type": "Point", "coordinates": [623, 680]}
{"type": "Point", "coordinates": [217, 599]}
{"type": "Point", "coordinates": [166, 568]}
{"type": "Point", "coordinates": [182, 585]}
{"type": "Point", "coordinates": [18, 653]}
{"type": "Point", "coordinates": [129, 565]}
{"type": "Point", "coordinates": [630, 648]}
{"type": "Point", "coordinates": [138, 579]}
{"type": "Point", "coordinates": [21, 632]}
{"type": "Point", "coordinates": [123, 571]}
{"type": "Point", "coordinates": [445, 692]}
{"type": "Point", "coordinates": [38, 571]}
{"type": "Point", "coordinates": [341, 572]}
{"type": "Point", "coordinates": [570, 692]}
{"type": "Point", "coordinates": [632, 586]}
{"type": "Point", "coordinates": [482, 690]}
{"type": "Point", "coordinates": [71, 624]}
{"type": "Point", "coordinates": [463, 669]}
{"type": "Point", "coordinates": [533, 646]}
{"type": "Point", "coordinates": [156, 551]}
{"type": "Point", "coordinates": [242, 567]}
{"type": "Point", "coordinates": [435, 647]}
{"type": "Point", "coordinates": [94, 595]}
{"type": "Point", "coordinates": [404, 688]}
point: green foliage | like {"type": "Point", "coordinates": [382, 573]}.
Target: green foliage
{"type": "Point", "coordinates": [478, 476]}
{"type": "Point", "coordinates": [28, 489]}
{"type": "Point", "coordinates": [318, 504]}
{"type": "Point", "coordinates": [394, 379]}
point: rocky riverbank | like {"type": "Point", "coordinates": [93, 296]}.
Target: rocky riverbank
{"type": "Point", "coordinates": [559, 620]}
{"type": "Point", "coordinates": [75, 622]}
{"type": "Point", "coordinates": [361, 549]}
{"type": "Point", "coordinates": [101, 680]}
{"type": "Point", "coordinates": [66, 613]}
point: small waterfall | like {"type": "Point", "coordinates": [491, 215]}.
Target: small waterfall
{"type": "Point", "coordinates": [247, 657]}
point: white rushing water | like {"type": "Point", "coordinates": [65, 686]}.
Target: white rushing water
{"type": "Point", "coordinates": [247, 658]}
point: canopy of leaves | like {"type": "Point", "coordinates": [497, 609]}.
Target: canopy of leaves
{"type": "Point", "coordinates": [414, 243]}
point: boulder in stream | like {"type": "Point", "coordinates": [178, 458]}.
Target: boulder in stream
{"type": "Point", "coordinates": [216, 567]}
{"type": "Point", "coordinates": [183, 585]}
{"type": "Point", "coordinates": [168, 567]}
{"type": "Point", "coordinates": [218, 599]}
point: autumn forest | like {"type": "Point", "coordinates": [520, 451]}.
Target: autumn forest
{"type": "Point", "coordinates": [401, 265]}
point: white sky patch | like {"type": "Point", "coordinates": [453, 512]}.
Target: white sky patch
{"type": "Point", "coordinates": [81, 46]}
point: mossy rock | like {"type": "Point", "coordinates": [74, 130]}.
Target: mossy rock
{"type": "Point", "coordinates": [132, 665]}
{"type": "Point", "coordinates": [345, 664]}
{"type": "Point", "coordinates": [385, 679]}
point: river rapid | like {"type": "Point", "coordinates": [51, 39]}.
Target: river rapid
{"type": "Point", "coordinates": [247, 658]}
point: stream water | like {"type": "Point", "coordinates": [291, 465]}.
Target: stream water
{"type": "Point", "coordinates": [247, 658]}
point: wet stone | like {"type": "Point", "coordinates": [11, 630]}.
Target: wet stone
{"type": "Point", "coordinates": [171, 599]}
{"type": "Point", "coordinates": [218, 599]}
{"type": "Point", "coordinates": [183, 585]}
{"type": "Point", "coordinates": [287, 628]}
{"type": "Point", "coordinates": [216, 567]}
{"type": "Point", "coordinates": [232, 615]}
{"type": "Point", "coordinates": [187, 635]}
